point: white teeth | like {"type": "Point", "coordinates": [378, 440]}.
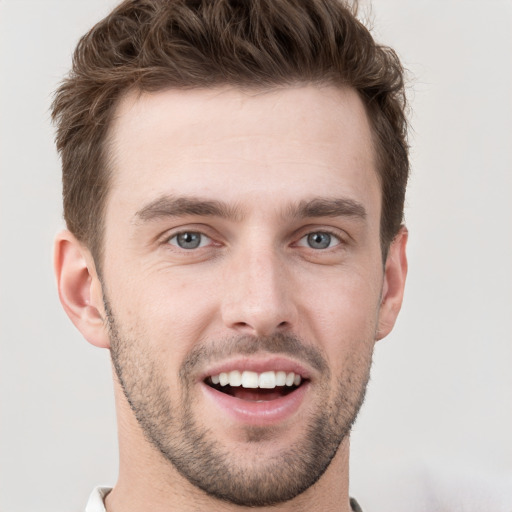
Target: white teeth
{"type": "Point", "coordinates": [235, 378]}
{"type": "Point", "coordinates": [280, 378]}
{"type": "Point", "coordinates": [267, 380]}
{"type": "Point", "coordinates": [253, 380]}
{"type": "Point", "coordinates": [249, 380]}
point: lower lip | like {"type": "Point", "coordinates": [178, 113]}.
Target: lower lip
{"type": "Point", "coordinates": [257, 413]}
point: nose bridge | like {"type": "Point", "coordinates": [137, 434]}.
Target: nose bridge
{"type": "Point", "coordinates": [257, 297]}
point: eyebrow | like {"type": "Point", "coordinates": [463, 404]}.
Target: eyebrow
{"type": "Point", "coordinates": [173, 206]}
{"type": "Point", "coordinates": [327, 207]}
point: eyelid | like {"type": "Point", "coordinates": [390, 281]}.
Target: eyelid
{"type": "Point", "coordinates": [201, 229]}
{"type": "Point", "coordinates": [200, 246]}
{"type": "Point", "coordinates": [338, 234]}
{"type": "Point", "coordinates": [334, 238]}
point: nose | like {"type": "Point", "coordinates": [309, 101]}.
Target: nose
{"type": "Point", "coordinates": [258, 297]}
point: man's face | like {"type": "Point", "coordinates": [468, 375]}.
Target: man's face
{"type": "Point", "coordinates": [242, 245]}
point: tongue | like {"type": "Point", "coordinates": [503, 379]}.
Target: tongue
{"type": "Point", "coordinates": [256, 395]}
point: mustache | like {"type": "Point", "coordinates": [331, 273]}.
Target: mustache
{"type": "Point", "coordinates": [286, 344]}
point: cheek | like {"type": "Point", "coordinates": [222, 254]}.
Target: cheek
{"type": "Point", "coordinates": [343, 311]}
{"type": "Point", "coordinates": [170, 312]}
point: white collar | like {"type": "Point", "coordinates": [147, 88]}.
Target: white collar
{"type": "Point", "coordinates": [95, 503]}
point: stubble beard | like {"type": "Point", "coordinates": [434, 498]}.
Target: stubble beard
{"type": "Point", "coordinates": [192, 448]}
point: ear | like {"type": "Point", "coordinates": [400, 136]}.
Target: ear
{"type": "Point", "coordinates": [79, 289]}
{"type": "Point", "coordinates": [395, 272]}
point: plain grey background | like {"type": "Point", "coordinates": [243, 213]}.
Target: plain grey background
{"type": "Point", "coordinates": [435, 431]}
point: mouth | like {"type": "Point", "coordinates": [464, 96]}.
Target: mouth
{"type": "Point", "coordinates": [256, 387]}
{"type": "Point", "coordinates": [257, 391]}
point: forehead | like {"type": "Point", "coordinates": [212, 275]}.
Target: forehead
{"type": "Point", "coordinates": [233, 144]}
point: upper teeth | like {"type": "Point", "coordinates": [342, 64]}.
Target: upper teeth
{"type": "Point", "coordinates": [266, 380]}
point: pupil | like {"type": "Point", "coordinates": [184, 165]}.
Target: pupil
{"type": "Point", "coordinates": [189, 240]}
{"type": "Point", "coordinates": [319, 240]}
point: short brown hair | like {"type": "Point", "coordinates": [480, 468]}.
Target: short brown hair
{"type": "Point", "coordinates": [151, 45]}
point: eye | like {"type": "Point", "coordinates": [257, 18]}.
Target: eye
{"type": "Point", "coordinates": [319, 240]}
{"type": "Point", "coordinates": [189, 240]}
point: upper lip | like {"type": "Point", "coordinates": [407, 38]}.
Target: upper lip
{"type": "Point", "coordinates": [258, 365]}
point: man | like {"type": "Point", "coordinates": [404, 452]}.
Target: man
{"type": "Point", "coordinates": [234, 177]}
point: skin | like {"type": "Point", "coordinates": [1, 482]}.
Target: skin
{"type": "Point", "coordinates": [262, 154]}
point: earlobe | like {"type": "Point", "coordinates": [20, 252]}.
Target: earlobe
{"type": "Point", "coordinates": [80, 289]}
{"type": "Point", "coordinates": [395, 273]}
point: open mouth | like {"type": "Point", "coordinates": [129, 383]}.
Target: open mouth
{"type": "Point", "coordinates": [255, 387]}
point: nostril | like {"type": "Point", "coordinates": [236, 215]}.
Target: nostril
{"type": "Point", "coordinates": [242, 325]}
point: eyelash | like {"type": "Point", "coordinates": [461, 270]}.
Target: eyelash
{"type": "Point", "coordinates": [188, 232]}
{"type": "Point", "coordinates": [332, 237]}
{"type": "Point", "coordinates": [202, 243]}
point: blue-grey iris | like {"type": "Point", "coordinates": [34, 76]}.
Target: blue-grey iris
{"type": "Point", "coordinates": [189, 240]}
{"type": "Point", "coordinates": [319, 240]}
